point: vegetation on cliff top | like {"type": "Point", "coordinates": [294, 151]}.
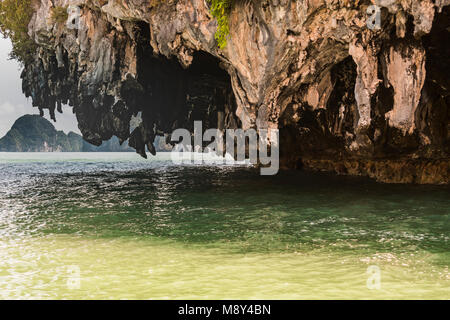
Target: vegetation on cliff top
{"type": "Point", "coordinates": [15, 15]}
{"type": "Point", "coordinates": [59, 14]}
{"type": "Point", "coordinates": [220, 9]}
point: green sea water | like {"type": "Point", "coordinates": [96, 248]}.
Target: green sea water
{"type": "Point", "coordinates": [103, 226]}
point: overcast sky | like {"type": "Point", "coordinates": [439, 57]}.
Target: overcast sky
{"type": "Point", "coordinates": [13, 103]}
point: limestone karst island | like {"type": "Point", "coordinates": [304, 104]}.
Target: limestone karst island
{"type": "Point", "coordinates": [252, 150]}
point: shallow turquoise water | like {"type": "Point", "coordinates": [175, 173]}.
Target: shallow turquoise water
{"type": "Point", "coordinates": [102, 226]}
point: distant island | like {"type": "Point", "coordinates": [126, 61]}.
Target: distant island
{"type": "Point", "coordinates": [33, 133]}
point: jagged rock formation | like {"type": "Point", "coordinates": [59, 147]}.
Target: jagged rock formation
{"type": "Point", "coordinates": [344, 97]}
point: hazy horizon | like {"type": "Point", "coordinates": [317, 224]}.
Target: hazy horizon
{"type": "Point", "coordinates": [14, 104]}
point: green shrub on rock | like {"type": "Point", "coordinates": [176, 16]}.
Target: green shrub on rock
{"type": "Point", "coordinates": [220, 9]}
{"type": "Point", "coordinates": [15, 15]}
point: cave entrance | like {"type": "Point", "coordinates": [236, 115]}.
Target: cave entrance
{"type": "Point", "coordinates": [314, 133]}
{"type": "Point", "coordinates": [210, 95]}
{"type": "Point", "coordinates": [433, 116]}
{"type": "Point", "coordinates": [205, 63]}
{"type": "Point", "coordinates": [174, 97]}
{"type": "Point", "coordinates": [171, 97]}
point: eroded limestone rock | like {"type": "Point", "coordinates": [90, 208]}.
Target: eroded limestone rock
{"type": "Point", "coordinates": [336, 89]}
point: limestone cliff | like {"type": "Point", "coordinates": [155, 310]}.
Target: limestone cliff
{"type": "Point", "coordinates": [345, 97]}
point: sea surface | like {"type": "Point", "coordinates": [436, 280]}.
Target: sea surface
{"type": "Point", "coordinates": [113, 225]}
